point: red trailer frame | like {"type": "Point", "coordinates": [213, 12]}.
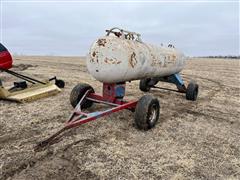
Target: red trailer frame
{"type": "Point", "coordinates": [112, 95]}
{"type": "Point", "coordinates": [146, 108]}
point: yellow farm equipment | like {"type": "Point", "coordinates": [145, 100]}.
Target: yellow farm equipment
{"type": "Point", "coordinates": [28, 89]}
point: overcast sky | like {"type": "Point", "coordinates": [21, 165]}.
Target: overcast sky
{"type": "Point", "coordinates": [61, 28]}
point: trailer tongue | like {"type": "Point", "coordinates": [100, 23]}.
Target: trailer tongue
{"type": "Point", "coordinates": [83, 97]}
{"type": "Point", "coordinates": [28, 89]}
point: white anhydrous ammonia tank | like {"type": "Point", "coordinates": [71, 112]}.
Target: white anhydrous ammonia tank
{"type": "Point", "coordinates": [114, 59]}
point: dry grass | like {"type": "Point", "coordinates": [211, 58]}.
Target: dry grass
{"type": "Point", "coordinates": [193, 140]}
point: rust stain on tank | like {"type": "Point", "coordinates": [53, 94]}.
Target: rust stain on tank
{"type": "Point", "coordinates": [174, 57]}
{"type": "Point", "coordinates": [94, 57]}
{"type": "Point", "coordinates": [91, 58]}
{"type": "Point", "coordinates": [111, 61]}
{"type": "Point", "coordinates": [101, 42]}
{"type": "Point", "coordinates": [169, 60]}
{"type": "Point", "coordinates": [133, 60]}
{"type": "Point", "coordinates": [154, 60]}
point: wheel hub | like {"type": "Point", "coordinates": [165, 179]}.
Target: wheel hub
{"type": "Point", "coordinates": [152, 114]}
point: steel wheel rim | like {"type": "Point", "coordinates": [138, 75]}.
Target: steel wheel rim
{"type": "Point", "coordinates": [152, 114]}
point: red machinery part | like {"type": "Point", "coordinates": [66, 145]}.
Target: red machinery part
{"type": "Point", "coordinates": [5, 58]}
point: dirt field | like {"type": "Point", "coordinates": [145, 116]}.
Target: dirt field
{"type": "Point", "coordinates": [193, 140]}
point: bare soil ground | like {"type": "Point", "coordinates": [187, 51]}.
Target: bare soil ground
{"type": "Point", "coordinates": [193, 140]}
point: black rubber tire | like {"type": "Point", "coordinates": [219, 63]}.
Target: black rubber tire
{"type": "Point", "coordinates": [145, 119]}
{"type": "Point", "coordinates": [77, 93]}
{"type": "Point", "coordinates": [60, 83]}
{"type": "Point", "coordinates": [192, 91]}
{"type": "Point", "coordinates": [143, 85]}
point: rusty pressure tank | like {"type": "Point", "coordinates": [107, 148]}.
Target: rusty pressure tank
{"type": "Point", "coordinates": [122, 56]}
